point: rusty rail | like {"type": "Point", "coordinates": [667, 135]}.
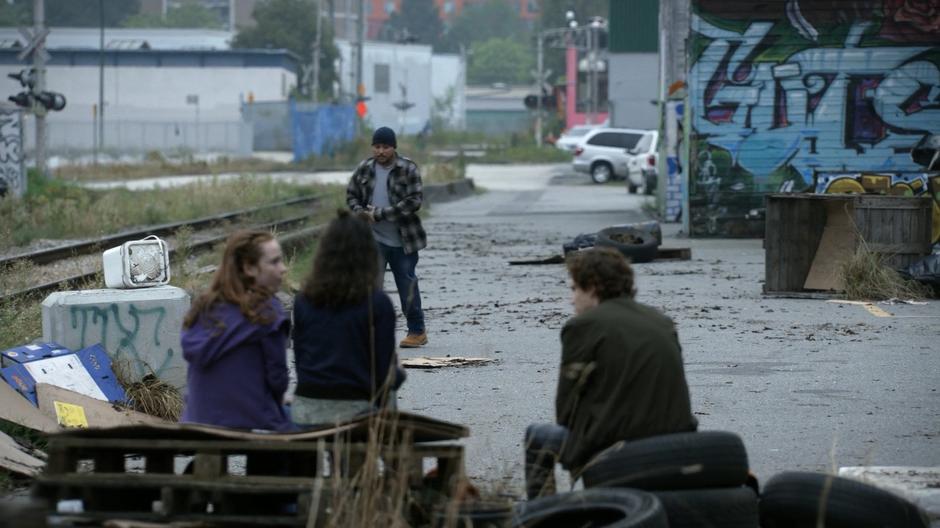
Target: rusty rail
{"type": "Point", "coordinates": [45, 256]}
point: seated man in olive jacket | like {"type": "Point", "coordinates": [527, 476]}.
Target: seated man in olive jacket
{"type": "Point", "coordinates": [621, 375]}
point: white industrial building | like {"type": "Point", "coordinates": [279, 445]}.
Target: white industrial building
{"type": "Point", "coordinates": [166, 89]}
{"type": "Point", "coordinates": [393, 74]}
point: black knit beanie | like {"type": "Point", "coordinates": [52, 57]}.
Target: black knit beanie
{"type": "Point", "coordinates": [384, 136]}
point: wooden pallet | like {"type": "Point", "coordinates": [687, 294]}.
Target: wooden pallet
{"type": "Point", "coordinates": [227, 481]}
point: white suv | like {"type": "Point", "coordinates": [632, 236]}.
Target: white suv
{"type": "Point", "coordinates": [603, 153]}
{"type": "Point", "coordinates": [642, 172]}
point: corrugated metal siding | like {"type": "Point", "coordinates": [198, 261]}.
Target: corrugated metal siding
{"type": "Point", "coordinates": [778, 92]}
{"type": "Point", "coordinates": [634, 26]}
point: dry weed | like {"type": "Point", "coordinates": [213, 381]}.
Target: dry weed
{"type": "Point", "coordinates": [149, 394]}
{"type": "Point", "coordinates": [866, 277]}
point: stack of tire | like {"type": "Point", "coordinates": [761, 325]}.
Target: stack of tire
{"type": "Point", "coordinates": [701, 479]}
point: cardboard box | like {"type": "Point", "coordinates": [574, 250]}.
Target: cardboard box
{"type": "Point", "coordinates": [31, 352]}
{"type": "Point", "coordinates": [87, 371]}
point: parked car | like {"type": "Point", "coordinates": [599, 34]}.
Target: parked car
{"type": "Point", "coordinates": [642, 167]}
{"type": "Point", "coordinates": [603, 153]}
{"type": "Point", "coordinates": [569, 139]}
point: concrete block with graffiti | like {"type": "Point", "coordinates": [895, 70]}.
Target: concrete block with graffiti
{"type": "Point", "coordinates": [783, 89]}
{"type": "Point", "coordinates": [140, 327]}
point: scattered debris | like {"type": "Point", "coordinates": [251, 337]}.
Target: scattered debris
{"type": "Point", "coordinates": [438, 362]}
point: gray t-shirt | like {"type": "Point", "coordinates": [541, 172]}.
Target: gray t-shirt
{"type": "Point", "coordinates": [385, 231]}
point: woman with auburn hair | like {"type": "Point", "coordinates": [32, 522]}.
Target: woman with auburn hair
{"type": "Point", "coordinates": [344, 329]}
{"type": "Point", "coordinates": [234, 339]}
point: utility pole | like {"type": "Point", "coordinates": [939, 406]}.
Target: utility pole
{"type": "Point", "coordinates": [39, 63]}
{"type": "Point", "coordinates": [315, 89]}
{"type": "Point", "coordinates": [99, 144]}
{"type": "Point", "coordinates": [538, 82]}
{"type": "Point", "coordinates": [360, 37]}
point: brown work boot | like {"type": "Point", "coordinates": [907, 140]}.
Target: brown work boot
{"type": "Point", "coordinates": [414, 340]}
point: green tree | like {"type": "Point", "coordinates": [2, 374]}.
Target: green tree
{"type": "Point", "coordinates": [500, 60]}
{"type": "Point", "coordinates": [15, 14]}
{"type": "Point", "coordinates": [69, 13]}
{"type": "Point", "coordinates": [291, 25]}
{"type": "Point", "coordinates": [188, 15]}
{"type": "Point", "coordinates": [418, 19]}
{"type": "Point", "coordinates": [481, 22]}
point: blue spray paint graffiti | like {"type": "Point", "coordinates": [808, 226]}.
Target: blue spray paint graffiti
{"type": "Point", "coordinates": [865, 107]}
{"type": "Point", "coordinates": [773, 102]}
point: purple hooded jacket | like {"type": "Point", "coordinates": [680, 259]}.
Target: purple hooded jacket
{"type": "Point", "coordinates": [237, 373]}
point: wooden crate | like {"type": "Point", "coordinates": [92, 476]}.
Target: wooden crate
{"type": "Point", "coordinates": [807, 236]}
{"type": "Point", "coordinates": [227, 481]}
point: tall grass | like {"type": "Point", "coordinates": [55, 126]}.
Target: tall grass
{"type": "Point", "coordinates": [155, 164]}
{"type": "Point", "coordinates": [56, 210]}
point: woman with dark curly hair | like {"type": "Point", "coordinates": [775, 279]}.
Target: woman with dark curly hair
{"type": "Point", "coordinates": [235, 337]}
{"type": "Point", "coordinates": [344, 329]}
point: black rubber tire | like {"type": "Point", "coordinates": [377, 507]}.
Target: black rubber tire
{"type": "Point", "coordinates": [793, 499]}
{"type": "Point", "coordinates": [707, 459]}
{"type": "Point", "coordinates": [637, 253]}
{"type": "Point", "coordinates": [620, 508]}
{"type": "Point", "coordinates": [631, 188]}
{"type": "Point", "coordinates": [706, 508]}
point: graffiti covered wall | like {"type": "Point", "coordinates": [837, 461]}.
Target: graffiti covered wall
{"type": "Point", "coordinates": [140, 328]}
{"type": "Point", "coordinates": [784, 89]}
{"type": "Point", "coordinates": [12, 173]}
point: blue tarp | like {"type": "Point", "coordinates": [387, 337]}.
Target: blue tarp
{"type": "Point", "coordinates": [319, 132]}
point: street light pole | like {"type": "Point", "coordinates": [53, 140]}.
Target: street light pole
{"type": "Point", "coordinates": [538, 88]}
{"type": "Point", "coordinates": [39, 63]}
{"type": "Point", "coordinates": [100, 131]}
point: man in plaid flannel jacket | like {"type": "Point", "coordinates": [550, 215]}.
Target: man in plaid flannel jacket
{"type": "Point", "coordinates": [386, 189]}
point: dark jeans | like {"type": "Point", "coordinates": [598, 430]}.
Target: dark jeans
{"type": "Point", "coordinates": [543, 443]}
{"type": "Point", "coordinates": [403, 269]}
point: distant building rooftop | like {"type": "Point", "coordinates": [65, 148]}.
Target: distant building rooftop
{"type": "Point", "coordinates": [239, 58]}
{"type": "Point", "coordinates": [125, 38]}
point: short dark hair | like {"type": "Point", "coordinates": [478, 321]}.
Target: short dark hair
{"type": "Point", "coordinates": [345, 265]}
{"type": "Point", "coordinates": [603, 270]}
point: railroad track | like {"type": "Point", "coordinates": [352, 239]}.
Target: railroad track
{"type": "Point", "coordinates": [204, 244]}
{"type": "Point", "coordinates": [45, 256]}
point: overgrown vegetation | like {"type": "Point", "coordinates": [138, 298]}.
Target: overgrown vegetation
{"type": "Point", "coordinates": [866, 277]}
{"type": "Point", "coordinates": [53, 209]}
{"type": "Point", "coordinates": [157, 164]}
{"type": "Point", "coordinates": [525, 154]}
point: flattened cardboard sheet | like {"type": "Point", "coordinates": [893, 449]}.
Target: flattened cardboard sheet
{"type": "Point", "coordinates": [96, 413]}
{"type": "Point", "coordinates": [836, 247]}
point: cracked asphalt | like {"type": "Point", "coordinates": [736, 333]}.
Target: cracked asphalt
{"type": "Point", "coordinates": [808, 384]}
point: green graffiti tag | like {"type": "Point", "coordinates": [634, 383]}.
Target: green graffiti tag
{"type": "Point", "coordinates": [124, 332]}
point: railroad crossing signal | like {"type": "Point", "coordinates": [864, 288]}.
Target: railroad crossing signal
{"type": "Point", "coordinates": [34, 39]}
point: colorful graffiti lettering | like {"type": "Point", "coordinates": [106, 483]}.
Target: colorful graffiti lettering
{"type": "Point", "coordinates": [125, 338]}
{"type": "Point", "coordinates": [778, 94]}
{"type": "Point", "coordinates": [898, 184]}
